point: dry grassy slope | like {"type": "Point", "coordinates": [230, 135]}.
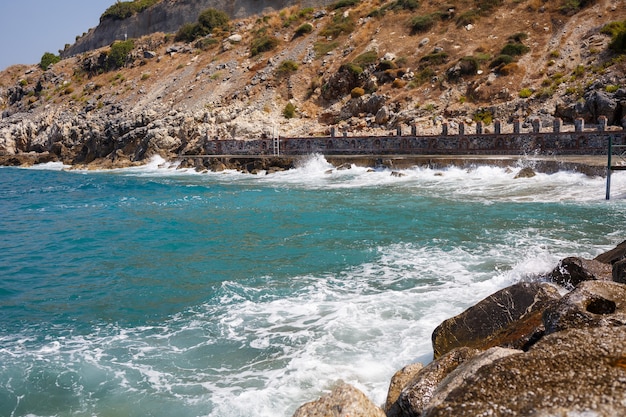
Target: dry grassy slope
{"type": "Point", "coordinates": [231, 85]}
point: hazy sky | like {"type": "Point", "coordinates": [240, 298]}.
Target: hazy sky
{"type": "Point", "coordinates": [28, 28]}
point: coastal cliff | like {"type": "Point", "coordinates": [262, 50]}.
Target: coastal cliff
{"type": "Point", "coordinates": [360, 67]}
{"type": "Point", "coordinates": [535, 348]}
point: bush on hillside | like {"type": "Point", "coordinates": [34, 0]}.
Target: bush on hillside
{"type": "Point", "coordinates": [344, 3]}
{"type": "Point", "coordinates": [286, 67]}
{"type": "Point", "coordinates": [617, 31]}
{"type": "Point", "coordinates": [303, 29]}
{"type": "Point", "coordinates": [514, 49]}
{"type": "Point", "coordinates": [124, 9]}
{"type": "Point", "coordinates": [188, 32]}
{"type": "Point", "coordinates": [289, 111]}
{"type": "Point", "coordinates": [211, 19]}
{"type": "Point", "coordinates": [501, 60]}
{"type": "Point", "coordinates": [340, 25]}
{"type": "Point", "coordinates": [262, 44]}
{"type": "Point", "coordinates": [366, 58]}
{"type": "Point", "coordinates": [119, 54]}
{"type": "Point", "coordinates": [208, 21]}
{"type": "Point", "coordinates": [423, 23]}
{"type": "Point", "coordinates": [48, 59]}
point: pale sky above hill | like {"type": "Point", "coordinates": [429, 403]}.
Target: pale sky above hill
{"type": "Point", "coordinates": [28, 28]}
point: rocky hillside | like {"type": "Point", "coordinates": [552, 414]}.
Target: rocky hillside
{"type": "Point", "coordinates": [364, 66]}
{"type": "Point", "coordinates": [168, 15]}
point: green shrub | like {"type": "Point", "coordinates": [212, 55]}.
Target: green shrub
{"type": "Point", "coordinates": [484, 116]}
{"type": "Point", "coordinates": [424, 75]}
{"type": "Point", "coordinates": [514, 49]}
{"type": "Point", "coordinates": [188, 32]}
{"type": "Point", "coordinates": [469, 65]}
{"type": "Point", "coordinates": [339, 25]}
{"type": "Point", "coordinates": [376, 13]}
{"type": "Point", "coordinates": [206, 43]}
{"type": "Point", "coordinates": [611, 88]}
{"type": "Point", "coordinates": [262, 44]}
{"type": "Point", "coordinates": [289, 111]}
{"type": "Point", "coordinates": [344, 3]}
{"type": "Point", "coordinates": [467, 18]}
{"type": "Point", "coordinates": [357, 92]}
{"type": "Point", "coordinates": [436, 58]}
{"type": "Point", "coordinates": [366, 58]}
{"type": "Point", "coordinates": [486, 6]}
{"type": "Point", "coordinates": [211, 19]}
{"type": "Point", "coordinates": [386, 65]}
{"type": "Point", "coordinates": [404, 5]}
{"type": "Point", "coordinates": [422, 23]}
{"type": "Point", "coordinates": [303, 29]}
{"type": "Point", "coordinates": [518, 37]}
{"type": "Point", "coordinates": [501, 60]}
{"type": "Point", "coordinates": [48, 59]}
{"type": "Point", "coordinates": [119, 54]}
{"type": "Point", "coordinates": [617, 31]}
{"type": "Point", "coordinates": [322, 48]}
{"type": "Point", "coordinates": [614, 28]}
{"type": "Point", "coordinates": [124, 9]}
{"type": "Point", "coordinates": [573, 6]}
{"type": "Point", "coordinates": [525, 93]}
{"type": "Point", "coordinates": [287, 67]}
{"type": "Point", "coordinates": [352, 68]}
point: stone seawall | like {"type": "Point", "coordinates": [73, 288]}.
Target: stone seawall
{"type": "Point", "coordinates": [579, 142]}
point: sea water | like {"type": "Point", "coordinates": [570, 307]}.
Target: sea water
{"type": "Point", "coordinates": [156, 291]}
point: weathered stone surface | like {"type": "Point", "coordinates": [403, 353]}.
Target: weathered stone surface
{"type": "Point", "coordinates": [343, 401]}
{"type": "Point", "coordinates": [466, 370]}
{"type": "Point", "coordinates": [619, 271]}
{"type": "Point", "coordinates": [418, 392]}
{"type": "Point", "coordinates": [510, 318]}
{"type": "Point", "coordinates": [614, 255]}
{"type": "Point", "coordinates": [572, 373]}
{"type": "Point", "coordinates": [591, 304]}
{"type": "Point", "coordinates": [572, 271]}
{"type": "Point", "coordinates": [399, 381]}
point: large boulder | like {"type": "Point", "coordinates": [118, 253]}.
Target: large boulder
{"type": "Point", "coordinates": [577, 372]}
{"type": "Point", "coordinates": [398, 382]}
{"type": "Point", "coordinates": [418, 392]}
{"type": "Point", "coordinates": [614, 255]}
{"type": "Point", "coordinates": [591, 304]}
{"type": "Point", "coordinates": [511, 317]}
{"type": "Point", "coordinates": [600, 103]}
{"type": "Point", "coordinates": [573, 270]}
{"type": "Point", "coordinates": [466, 370]}
{"type": "Point", "coordinates": [343, 401]}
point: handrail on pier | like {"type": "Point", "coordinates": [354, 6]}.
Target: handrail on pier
{"type": "Point", "coordinates": [610, 167]}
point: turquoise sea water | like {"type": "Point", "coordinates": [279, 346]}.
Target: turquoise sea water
{"type": "Point", "coordinates": [156, 291]}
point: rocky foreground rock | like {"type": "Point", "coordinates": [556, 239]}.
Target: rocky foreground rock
{"type": "Point", "coordinates": [526, 350]}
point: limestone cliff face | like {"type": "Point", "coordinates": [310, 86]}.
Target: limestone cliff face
{"type": "Point", "coordinates": [169, 15]}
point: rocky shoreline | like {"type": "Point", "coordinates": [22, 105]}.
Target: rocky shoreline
{"type": "Point", "coordinates": [553, 346]}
